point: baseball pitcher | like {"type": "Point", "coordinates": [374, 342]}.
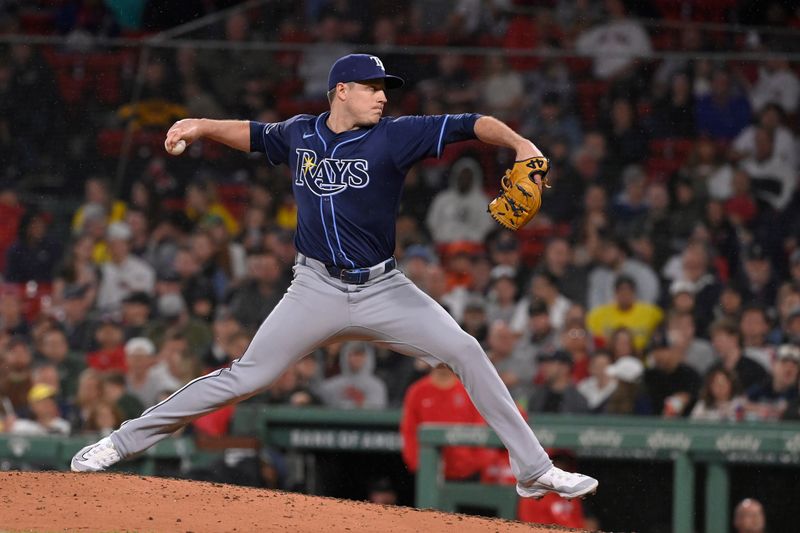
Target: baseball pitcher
{"type": "Point", "coordinates": [348, 166]}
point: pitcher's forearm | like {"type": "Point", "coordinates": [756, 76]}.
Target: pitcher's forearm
{"type": "Point", "coordinates": [493, 131]}
{"type": "Point", "coordinates": [233, 133]}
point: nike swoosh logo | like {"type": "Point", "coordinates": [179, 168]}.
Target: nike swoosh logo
{"type": "Point", "coordinates": [307, 135]}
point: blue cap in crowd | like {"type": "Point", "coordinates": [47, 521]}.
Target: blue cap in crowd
{"type": "Point", "coordinates": [361, 67]}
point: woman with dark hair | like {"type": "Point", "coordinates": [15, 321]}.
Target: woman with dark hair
{"type": "Point", "coordinates": [34, 255]}
{"type": "Point", "coordinates": [719, 397]}
{"type": "Point", "coordinates": [621, 344]}
{"type": "Point", "coordinates": [77, 271]}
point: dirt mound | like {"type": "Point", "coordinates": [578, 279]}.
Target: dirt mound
{"type": "Point", "coordinates": [54, 501]}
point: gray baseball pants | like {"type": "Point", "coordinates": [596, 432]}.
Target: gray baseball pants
{"type": "Point", "coordinates": [318, 309]}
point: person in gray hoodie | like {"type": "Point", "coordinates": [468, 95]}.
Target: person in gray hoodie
{"type": "Point", "coordinates": [356, 387]}
{"type": "Point", "coordinates": [458, 213]}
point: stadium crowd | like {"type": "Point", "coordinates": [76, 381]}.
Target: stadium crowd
{"type": "Point", "coordinates": [662, 276]}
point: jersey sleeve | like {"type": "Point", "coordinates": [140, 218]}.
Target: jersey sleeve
{"type": "Point", "coordinates": [271, 139]}
{"type": "Point", "coordinates": [415, 137]}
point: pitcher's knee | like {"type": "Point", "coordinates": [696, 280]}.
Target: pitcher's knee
{"type": "Point", "coordinates": [464, 349]}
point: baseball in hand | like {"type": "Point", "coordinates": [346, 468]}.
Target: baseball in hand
{"type": "Point", "coordinates": [178, 149]}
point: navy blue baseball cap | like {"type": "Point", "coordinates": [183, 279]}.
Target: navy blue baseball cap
{"type": "Point", "coordinates": [361, 67]}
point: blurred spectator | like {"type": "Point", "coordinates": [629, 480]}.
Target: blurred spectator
{"type": "Point", "coordinates": [552, 124]}
{"type": "Point", "coordinates": [788, 305]}
{"type": "Point", "coordinates": [471, 18]}
{"type": "Point", "coordinates": [287, 390]}
{"type": "Point", "coordinates": [223, 328]}
{"type": "Point", "coordinates": [90, 393]}
{"type": "Point", "coordinates": [73, 318]}
{"type": "Point", "coordinates": [459, 212]}
{"type": "Point", "coordinates": [202, 203]}
{"type": "Point", "coordinates": [54, 349]}
{"type": "Point", "coordinates": [356, 387]}
{"type": "Point", "coordinates": [772, 120]}
{"type": "Point", "coordinates": [123, 273]}
{"type": "Point", "coordinates": [501, 89]}
{"type": "Point", "coordinates": [543, 287]}
{"type": "Point", "coordinates": [692, 268]}
{"type": "Point", "coordinates": [627, 138]}
{"type": "Point", "coordinates": [440, 397]}
{"type": "Point", "coordinates": [670, 386]}
{"type": "Point", "coordinates": [502, 296]}
{"type": "Point", "coordinates": [317, 60]}
{"type": "Point", "coordinates": [33, 81]}
{"type": "Point", "coordinates": [719, 399]}
{"type": "Point", "coordinates": [625, 310]}
{"type": "Point", "coordinates": [35, 254]}
{"type": "Point", "coordinates": [174, 318]}
{"type": "Point", "coordinates": [16, 377]}
{"type": "Point", "coordinates": [450, 84]}
{"type": "Point", "coordinates": [616, 45]}
{"type": "Point", "coordinates": [77, 268]}
{"type": "Point", "coordinates": [576, 341]}
{"type": "Point", "coordinates": [757, 279]}
{"type": "Point", "coordinates": [551, 80]}
{"type": "Point", "coordinates": [614, 261]}
{"type": "Point", "coordinates": [557, 262]}
{"type": "Point", "coordinates": [45, 417]}
{"type": "Point", "coordinates": [730, 304]}
{"type": "Point", "coordinates": [673, 115]}
{"type": "Point", "coordinates": [504, 250]}
{"type": "Point", "coordinates": [770, 398]}
{"type": "Point", "coordinates": [696, 353]}
{"type": "Point", "coordinates": [98, 199]}
{"type": "Point", "coordinates": [140, 357]}
{"type": "Point", "coordinates": [598, 386]}
{"type": "Point", "coordinates": [12, 321]}
{"type": "Point", "coordinates": [776, 84]}
{"type": "Point", "coordinates": [708, 170]}
{"type": "Point", "coordinates": [103, 419]}
{"type": "Point", "coordinates": [748, 517]}
{"type": "Point", "coordinates": [114, 391]}
{"type": "Point", "coordinates": [382, 492]}
{"type": "Point", "coordinates": [110, 354]}
{"type": "Point", "coordinates": [11, 210]}
{"type": "Point", "coordinates": [516, 372]}
{"type": "Point", "coordinates": [726, 338]}
{"type": "Point", "coordinates": [135, 313]}
{"type": "Point", "coordinates": [475, 321]}
{"type": "Point", "coordinates": [556, 393]}
{"type": "Point", "coordinates": [628, 372]}
{"type": "Point", "coordinates": [774, 176]}
{"type": "Point", "coordinates": [539, 336]}
{"type": "Point", "coordinates": [724, 112]}
{"type": "Point", "coordinates": [621, 344]}
{"type": "Point", "coordinates": [630, 208]}
{"type": "Point", "coordinates": [754, 324]}
{"type": "Point", "coordinates": [260, 291]}
{"type": "Point", "coordinates": [415, 261]}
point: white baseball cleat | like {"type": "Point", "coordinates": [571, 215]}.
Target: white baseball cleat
{"type": "Point", "coordinates": [565, 484]}
{"type": "Point", "coordinates": [95, 457]}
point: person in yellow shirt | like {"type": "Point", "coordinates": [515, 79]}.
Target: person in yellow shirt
{"type": "Point", "coordinates": [98, 195]}
{"type": "Point", "coordinates": [201, 203]}
{"type": "Point", "coordinates": [639, 317]}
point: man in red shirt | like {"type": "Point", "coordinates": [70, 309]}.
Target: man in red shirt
{"type": "Point", "coordinates": [440, 397]}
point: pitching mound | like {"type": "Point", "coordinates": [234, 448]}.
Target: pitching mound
{"type": "Point", "coordinates": [54, 501]}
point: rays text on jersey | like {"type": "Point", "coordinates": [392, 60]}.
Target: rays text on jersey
{"type": "Point", "coordinates": [329, 176]}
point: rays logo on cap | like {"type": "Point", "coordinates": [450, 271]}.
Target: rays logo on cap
{"type": "Point", "coordinates": [378, 62]}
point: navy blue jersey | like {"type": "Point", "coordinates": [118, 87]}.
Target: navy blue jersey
{"type": "Point", "coordinates": [347, 186]}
